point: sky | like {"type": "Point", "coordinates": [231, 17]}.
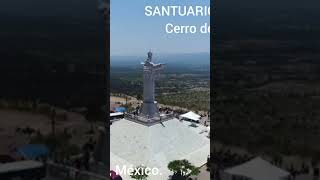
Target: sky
{"type": "Point", "coordinates": [83, 9]}
{"type": "Point", "coordinates": [133, 33]}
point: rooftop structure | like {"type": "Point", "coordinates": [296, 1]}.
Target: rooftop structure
{"type": "Point", "coordinates": [256, 169]}
{"type": "Point", "coordinates": [191, 116]}
{"type": "Point", "coordinates": [25, 169]}
{"type": "Point", "coordinates": [133, 144]}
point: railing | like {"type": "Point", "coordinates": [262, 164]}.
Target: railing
{"type": "Point", "coordinates": [69, 173]}
{"type": "Point", "coordinates": [148, 121]}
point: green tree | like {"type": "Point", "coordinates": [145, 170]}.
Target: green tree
{"type": "Point", "coordinates": [53, 121]}
{"type": "Point", "coordinates": [139, 97]}
{"type": "Point", "coordinates": [182, 169]}
{"type": "Point", "coordinates": [92, 115]}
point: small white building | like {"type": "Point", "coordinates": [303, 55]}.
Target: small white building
{"type": "Point", "coordinates": [191, 116]}
{"type": "Point", "coordinates": [255, 169]}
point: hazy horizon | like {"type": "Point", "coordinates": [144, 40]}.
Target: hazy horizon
{"type": "Point", "coordinates": [172, 60]}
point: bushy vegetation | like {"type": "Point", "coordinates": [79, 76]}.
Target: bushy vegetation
{"type": "Point", "coordinates": [193, 100]}
{"type": "Point", "coordinates": [268, 122]}
{"type": "Point", "coordinates": [183, 88]}
{"type": "Point", "coordinates": [182, 169]}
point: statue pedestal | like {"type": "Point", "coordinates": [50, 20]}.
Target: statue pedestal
{"type": "Point", "coordinates": [150, 110]}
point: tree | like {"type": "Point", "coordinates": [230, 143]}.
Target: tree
{"type": "Point", "coordinates": [182, 169]}
{"type": "Point", "coordinates": [139, 173]}
{"type": "Point", "coordinates": [53, 121]}
{"type": "Point", "coordinates": [92, 115]}
{"type": "Point", "coordinates": [139, 97]}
